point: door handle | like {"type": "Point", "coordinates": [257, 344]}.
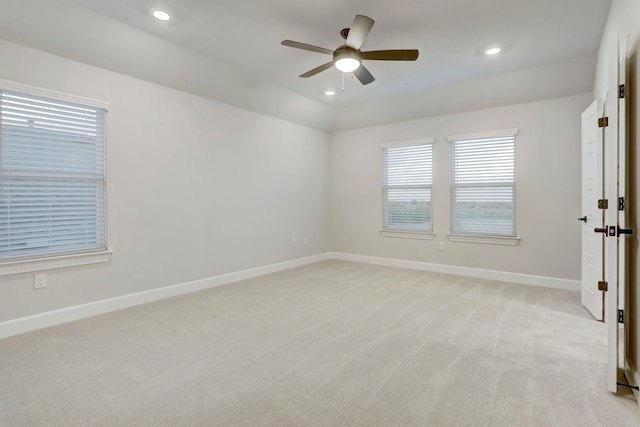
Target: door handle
{"type": "Point", "coordinates": [583, 219]}
{"type": "Point", "coordinates": [624, 230]}
{"type": "Point", "coordinates": [613, 231]}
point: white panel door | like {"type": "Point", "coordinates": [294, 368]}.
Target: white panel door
{"type": "Point", "coordinates": [592, 190]}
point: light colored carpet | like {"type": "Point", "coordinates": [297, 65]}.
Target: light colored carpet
{"type": "Point", "coordinates": [329, 344]}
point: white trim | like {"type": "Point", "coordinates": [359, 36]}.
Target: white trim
{"type": "Point", "coordinates": [62, 96]}
{"type": "Point", "coordinates": [491, 240]}
{"type": "Point", "coordinates": [480, 135]}
{"type": "Point", "coordinates": [407, 234]}
{"type": "Point", "coordinates": [633, 376]}
{"type": "Point", "coordinates": [502, 276]}
{"type": "Point", "coordinates": [51, 263]}
{"type": "Point", "coordinates": [69, 314]}
{"type": "Point", "coordinates": [408, 142]}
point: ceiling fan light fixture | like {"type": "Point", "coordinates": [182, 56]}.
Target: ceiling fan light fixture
{"type": "Point", "coordinates": [347, 65]}
{"type": "Point", "coordinates": [346, 61]}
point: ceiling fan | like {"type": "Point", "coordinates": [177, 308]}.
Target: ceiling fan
{"type": "Point", "coordinates": [348, 58]}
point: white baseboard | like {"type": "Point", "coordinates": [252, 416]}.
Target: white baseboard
{"type": "Point", "coordinates": [502, 276]}
{"type": "Point", "coordinates": [633, 376]}
{"type": "Point", "coordinates": [69, 314]}
{"type": "Point", "coordinates": [56, 317]}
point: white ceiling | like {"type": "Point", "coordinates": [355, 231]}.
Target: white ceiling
{"type": "Point", "coordinates": [229, 50]}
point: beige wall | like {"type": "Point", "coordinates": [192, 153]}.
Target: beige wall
{"type": "Point", "coordinates": [624, 19]}
{"type": "Point", "coordinates": [548, 189]}
{"type": "Point", "coordinates": [195, 188]}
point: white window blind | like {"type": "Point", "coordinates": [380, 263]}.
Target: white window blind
{"type": "Point", "coordinates": [483, 185]}
{"type": "Point", "coordinates": [52, 177]}
{"type": "Point", "coordinates": [406, 187]}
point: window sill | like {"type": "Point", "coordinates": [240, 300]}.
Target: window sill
{"type": "Point", "coordinates": [491, 240]}
{"type": "Point", "coordinates": [405, 234]}
{"type": "Point", "coordinates": [42, 264]}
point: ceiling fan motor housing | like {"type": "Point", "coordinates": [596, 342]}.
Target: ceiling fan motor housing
{"type": "Point", "coordinates": [347, 52]}
{"type": "Point", "coordinates": [347, 59]}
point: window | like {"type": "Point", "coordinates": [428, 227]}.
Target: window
{"type": "Point", "coordinates": [483, 184]}
{"type": "Point", "coordinates": [52, 177]}
{"type": "Point", "coordinates": [406, 186]}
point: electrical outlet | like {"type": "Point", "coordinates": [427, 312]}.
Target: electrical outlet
{"type": "Point", "coordinates": [40, 281]}
{"type": "Point", "coordinates": [306, 240]}
{"type": "Point", "coordinates": [441, 246]}
{"type": "Point", "coordinates": [294, 242]}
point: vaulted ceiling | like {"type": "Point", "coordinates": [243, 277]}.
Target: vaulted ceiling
{"type": "Point", "coordinates": [230, 51]}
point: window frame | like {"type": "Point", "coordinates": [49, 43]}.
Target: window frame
{"type": "Point", "coordinates": [480, 237]}
{"type": "Point", "coordinates": [54, 260]}
{"type": "Point", "coordinates": [405, 232]}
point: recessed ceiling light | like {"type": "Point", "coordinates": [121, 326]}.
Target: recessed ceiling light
{"type": "Point", "coordinates": [493, 51]}
{"type": "Point", "coordinates": [329, 93]}
{"type": "Point", "coordinates": [161, 15]}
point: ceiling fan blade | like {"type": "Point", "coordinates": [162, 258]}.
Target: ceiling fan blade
{"type": "Point", "coordinates": [363, 75]}
{"type": "Point", "coordinates": [359, 31]}
{"type": "Point", "coordinates": [317, 70]}
{"type": "Point", "coordinates": [305, 46]}
{"type": "Point", "coordinates": [391, 55]}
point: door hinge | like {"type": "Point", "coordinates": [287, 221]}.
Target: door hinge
{"type": "Point", "coordinates": [603, 204]}
{"type": "Point", "coordinates": [603, 122]}
{"type": "Point", "coordinates": [603, 286]}
{"type": "Point", "coordinates": [620, 203]}
{"type": "Point", "coordinates": [620, 316]}
{"type": "Point", "coordinates": [621, 94]}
